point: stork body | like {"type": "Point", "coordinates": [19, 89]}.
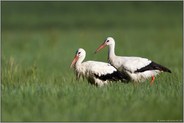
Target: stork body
{"type": "Point", "coordinates": [98, 73]}
{"type": "Point", "coordinates": [137, 68]}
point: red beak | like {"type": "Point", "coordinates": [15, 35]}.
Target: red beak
{"type": "Point", "coordinates": [100, 47]}
{"type": "Point", "coordinates": [74, 61]}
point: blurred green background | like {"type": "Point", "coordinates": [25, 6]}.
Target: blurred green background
{"type": "Point", "coordinates": [39, 40]}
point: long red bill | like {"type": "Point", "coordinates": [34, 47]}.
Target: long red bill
{"type": "Point", "coordinates": [100, 47]}
{"type": "Point", "coordinates": [74, 61]}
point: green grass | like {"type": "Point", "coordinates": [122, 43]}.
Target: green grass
{"type": "Point", "coordinates": [38, 46]}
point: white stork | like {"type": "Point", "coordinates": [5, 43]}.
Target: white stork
{"type": "Point", "coordinates": [98, 73]}
{"type": "Point", "coordinates": [137, 68]}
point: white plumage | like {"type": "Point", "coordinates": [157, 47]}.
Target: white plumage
{"type": "Point", "coordinates": [98, 73]}
{"type": "Point", "coordinates": [137, 68]}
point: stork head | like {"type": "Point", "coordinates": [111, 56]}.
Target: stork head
{"type": "Point", "coordinates": [79, 56]}
{"type": "Point", "coordinates": [108, 41]}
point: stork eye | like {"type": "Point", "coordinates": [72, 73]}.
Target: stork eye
{"type": "Point", "coordinates": [79, 52]}
{"type": "Point", "coordinates": [107, 40]}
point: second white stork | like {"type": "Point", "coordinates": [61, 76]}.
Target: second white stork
{"type": "Point", "coordinates": [98, 73]}
{"type": "Point", "coordinates": [137, 68]}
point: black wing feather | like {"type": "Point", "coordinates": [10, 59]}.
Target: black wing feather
{"type": "Point", "coordinates": [115, 76]}
{"type": "Point", "coordinates": [153, 66]}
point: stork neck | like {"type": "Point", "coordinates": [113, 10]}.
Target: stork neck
{"type": "Point", "coordinates": [111, 52]}
{"type": "Point", "coordinates": [79, 62]}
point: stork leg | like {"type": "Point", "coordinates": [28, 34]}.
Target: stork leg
{"type": "Point", "coordinates": [152, 80]}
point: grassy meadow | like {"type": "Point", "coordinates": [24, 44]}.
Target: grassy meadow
{"type": "Point", "coordinates": [39, 40]}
